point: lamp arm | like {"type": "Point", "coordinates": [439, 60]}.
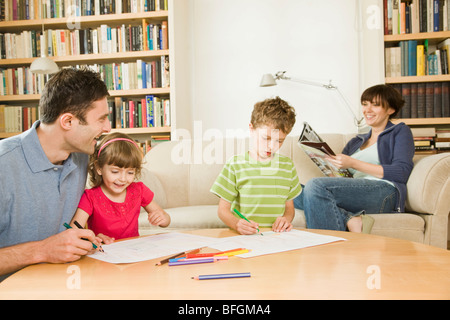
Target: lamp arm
{"type": "Point", "coordinates": [313, 83]}
{"type": "Point", "coordinates": [328, 86]}
{"type": "Point", "coordinates": [357, 121]}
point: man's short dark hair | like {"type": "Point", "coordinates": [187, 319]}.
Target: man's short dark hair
{"type": "Point", "coordinates": [71, 90]}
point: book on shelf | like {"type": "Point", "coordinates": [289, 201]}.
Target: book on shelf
{"type": "Point", "coordinates": [147, 112]}
{"type": "Point", "coordinates": [319, 151]}
{"type": "Point", "coordinates": [413, 59]}
{"type": "Point", "coordinates": [431, 140]}
{"type": "Point", "coordinates": [32, 9]}
{"type": "Point", "coordinates": [154, 140]}
{"type": "Point", "coordinates": [414, 16]}
{"type": "Point", "coordinates": [442, 140]}
{"type": "Point", "coordinates": [17, 118]}
{"type": "Point", "coordinates": [100, 40]}
{"type": "Point", "coordinates": [117, 76]}
{"type": "Point", "coordinates": [425, 99]}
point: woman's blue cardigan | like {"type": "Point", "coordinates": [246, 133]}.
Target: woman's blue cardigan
{"type": "Point", "coordinates": [395, 152]}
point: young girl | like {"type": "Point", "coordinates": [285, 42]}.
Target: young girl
{"type": "Point", "coordinates": [111, 208]}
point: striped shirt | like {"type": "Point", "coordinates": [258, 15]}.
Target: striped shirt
{"type": "Point", "coordinates": [258, 190]}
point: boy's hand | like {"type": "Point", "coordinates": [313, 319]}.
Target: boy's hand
{"type": "Point", "coordinates": [246, 227]}
{"type": "Point", "coordinates": [281, 225]}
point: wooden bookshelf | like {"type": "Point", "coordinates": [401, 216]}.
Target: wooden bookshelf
{"type": "Point", "coordinates": [85, 21]}
{"type": "Point", "coordinates": [94, 21]}
{"type": "Point", "coordinates": [416, 79]}
{"type": "Point", "coordinates": [433, 39]}
{"type": "Point", "coordinates": [100, 58]}
{"type": "Point", "coordinates": [424, 121]}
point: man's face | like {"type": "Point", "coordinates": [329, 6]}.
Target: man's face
{"type": "Point", "coordinates": [83, 138]}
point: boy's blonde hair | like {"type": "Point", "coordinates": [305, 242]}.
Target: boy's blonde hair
{"type": "Point", "coordinates": [275, 112]}
{"type": "Point", "coordinates": [123, 154]}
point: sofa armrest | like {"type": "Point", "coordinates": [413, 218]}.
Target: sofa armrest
{"type": "Point", "coordinates": [429, 185]}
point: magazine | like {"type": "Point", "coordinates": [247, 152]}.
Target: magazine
{"type": "Point", "coordinates": [318, 150]}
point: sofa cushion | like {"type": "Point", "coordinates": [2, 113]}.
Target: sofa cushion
{"type": "Point", "coordinates": [190, 217]}
{"type": "Point", "coordinates": [406, 226]}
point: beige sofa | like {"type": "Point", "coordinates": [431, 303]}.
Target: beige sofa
{"type": "Point", "coordinates": [182, 172]}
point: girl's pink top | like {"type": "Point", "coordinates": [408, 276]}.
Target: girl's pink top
{"type": "Point", "coordinates": [114, 219]}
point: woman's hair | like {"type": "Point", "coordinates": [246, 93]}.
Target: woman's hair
{"type": "Point", "coordinates": [276, 112]}
{"type": "Point", "coordinates": [71, 90]}
{"type": "Point", "coordinates": [385, 95]}
{"type": "Point", "coordinates": [120, 153]}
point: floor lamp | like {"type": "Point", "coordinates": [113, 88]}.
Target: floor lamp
{"type": "Point", "coordinates": [269, 80]}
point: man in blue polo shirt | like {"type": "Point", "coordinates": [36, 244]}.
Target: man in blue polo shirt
{"type": "Point", "coordinates": [43, 173]}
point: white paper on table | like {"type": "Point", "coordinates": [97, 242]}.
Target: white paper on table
{"type": "Point", "coordinates": [151, 247]}
{"type": "Point", "coordinates": [272, 242]}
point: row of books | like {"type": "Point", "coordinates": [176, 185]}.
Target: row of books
{"type": "Point", "coordinates": [154, 140]}
{"type": "Point", "coordinates": [431, 140]}
{"type": "Point", "coordinates": [135, 75]}
{"type": "Point", "coordinates": [17, 118]}
{"type": "Point", "coordinates": [40, 9]}
{"type": "Point", "coordinates": [104, 39]}
{"type": "Point", "coordinates": [413, 59]}
{"type": "Point", "coordinates": [425, 99]}
{"type": "Point", "coordinates": [414, 16]}
{"type": "Point", "coordinates": [117, 76]}
{"type": "Point", "coordinates": [148, 112]}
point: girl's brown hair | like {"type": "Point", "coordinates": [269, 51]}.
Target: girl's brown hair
{"type": "Point", "coordinates": [123, 154]}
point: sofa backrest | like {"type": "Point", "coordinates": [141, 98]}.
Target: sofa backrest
{"type": "Point", "coordinates": [181, 173]}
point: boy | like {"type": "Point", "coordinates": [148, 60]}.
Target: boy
{"type": "Point", "coordinates": [261, 184]}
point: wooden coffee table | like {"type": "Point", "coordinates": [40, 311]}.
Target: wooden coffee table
{"type": "Point", "coordinates": [363, 267]}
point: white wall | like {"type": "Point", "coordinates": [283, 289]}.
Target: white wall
{"type": "Point", "coordinates": [234, 42]}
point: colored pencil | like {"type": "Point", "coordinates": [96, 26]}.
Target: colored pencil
{"type": "Point", "coordinates": [233, 253]}
{"type": "Point", "coordinates": [186, 262]}
{"type": "Point", "coordinates": [222, 276]}
{"type": "Point", "coordinates": [80, 227]}
{"type": "Point", "coordinates": [210, 254]}
{"type": "Point", "coordinates": [193, 259]}
{"type": "Point", "coordinates": [178, 255]}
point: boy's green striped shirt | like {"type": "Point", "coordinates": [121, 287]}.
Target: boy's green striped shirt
{"type": "Point", "coordinates": [256, 189]}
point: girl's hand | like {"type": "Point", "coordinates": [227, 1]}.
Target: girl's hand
{"type": "Point", "coordinates": [281, 225]}
{"type": "Point", "coordinates": [104, 239]}
{"type": "Point", "coordinates": [156, 215]}
{"type": "Point", "coordinates": [159, 218]}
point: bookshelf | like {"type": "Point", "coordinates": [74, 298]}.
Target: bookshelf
{"type": "Point", "coordinates": [129, 57]}
{"type": "Point", "coordinates": [409, 27]}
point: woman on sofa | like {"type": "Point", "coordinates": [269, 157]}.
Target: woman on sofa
{"type": "Point", "coordinates": [380, 161]}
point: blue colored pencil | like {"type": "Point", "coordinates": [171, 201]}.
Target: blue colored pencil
{"type": "Point", "coordinates": [223, 276]}
{"type": "Point", "coordinates": [185, 262]}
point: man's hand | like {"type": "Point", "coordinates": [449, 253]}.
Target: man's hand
{"type": "Point", "coordinates": [67, 246]}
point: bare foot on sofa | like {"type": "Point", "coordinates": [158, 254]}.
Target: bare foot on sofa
{"type": "Point", "coordinates": [355, 224]}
